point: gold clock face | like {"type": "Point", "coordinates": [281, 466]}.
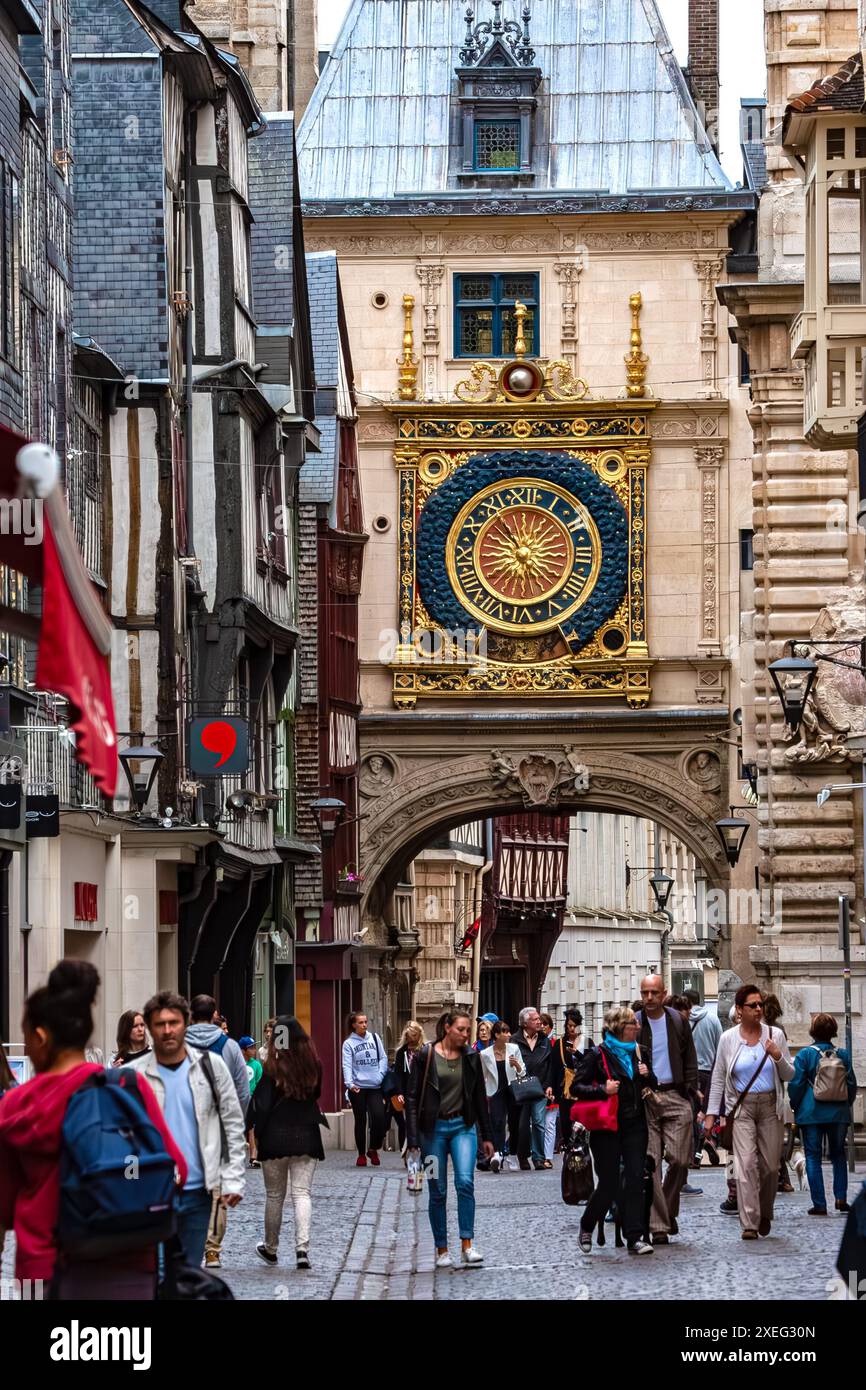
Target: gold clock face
{"type": "Point", "coordinates": [523, 556]}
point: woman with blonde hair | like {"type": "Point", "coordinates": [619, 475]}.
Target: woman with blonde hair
{"type": "Point", "coordinates": [410, 1045]}
{"type": "Point", "coordinates": [615, 1068]}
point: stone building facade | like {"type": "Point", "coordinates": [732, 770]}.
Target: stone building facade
{"type": "Point", "coordinates": [808, 570]}
{"type": "Point", "coordinates": [552, 190]}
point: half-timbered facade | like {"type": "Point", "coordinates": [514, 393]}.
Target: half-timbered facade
{"type": "Point", "coordinates": [332, 964]}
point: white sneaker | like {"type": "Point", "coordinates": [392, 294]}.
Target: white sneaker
{"type": "Point", "coordinates": [513, 1163]}
{"type": "Point", "coordinates": [444, 1261]}
{"type": "Point", "coordinates": [471, 1257]}
{"type": "Point", "coordinates": [496, 1163]}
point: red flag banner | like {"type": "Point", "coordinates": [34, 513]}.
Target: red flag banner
{"type": "Point", "coordinates": [75, 633]}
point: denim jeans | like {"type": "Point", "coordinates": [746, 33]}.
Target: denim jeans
{"type": "Point", "coordinates": [533, 1117]}
{"type": "Point", "coordinates": [450, 1137]}
{"type": "Point", "coordinates": [193, 1211]}
{"type": "Point", "coordinates": [812, 1144]}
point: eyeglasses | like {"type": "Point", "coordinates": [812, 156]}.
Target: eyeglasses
{"type": "Point", "coordinates": [747, 1005]}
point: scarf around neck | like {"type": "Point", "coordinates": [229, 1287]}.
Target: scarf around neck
{"type": "Point", "coordinates": [624, 1052]}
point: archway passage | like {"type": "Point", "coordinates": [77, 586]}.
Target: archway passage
{"type": "Point", "coordinates": [434, 772]}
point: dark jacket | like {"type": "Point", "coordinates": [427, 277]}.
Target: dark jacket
{"type": "Point", "coordinates": [404, 1064]}
{"type": "Point", "coordinates": [681, 1049]}
{"type": "Point", "coordinates": [538, 1060]}
{"type": "Point", "coordinates": [421, 1116]}
{"type": "Point", "coordinates": [286, 1128]}
{"type": "Point", "coordinates": [562, 1056]}
{"type": "Point", "coordinates": [589, 1083]}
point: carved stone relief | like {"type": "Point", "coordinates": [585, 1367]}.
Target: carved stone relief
{"type": "Point", "coordinates": [431, 280]}
{"type": "Point", "coordinates": [540, 776]}
{"type": "Point", "coordinates": [709, 462]}
{"type": "Point", "coordinates": [709, 269]}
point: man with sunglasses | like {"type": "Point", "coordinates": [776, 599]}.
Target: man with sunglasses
{"type": "Point", "coordinates": [752, 1065]}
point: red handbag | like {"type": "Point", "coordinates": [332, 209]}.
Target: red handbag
{"type": "Point", "coordinates": [597, 1114]}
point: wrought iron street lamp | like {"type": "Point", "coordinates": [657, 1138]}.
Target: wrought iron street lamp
{"type": "Point", "coordinates": [662, 886]}
{"type": "Point", "coordinates": [793, 677]}
{"type": "Point", "coordinates": [140, 767]}
{"type": "Point", "coordinates": [329, 813]}
{"type": "Point", "coordinates": [732, 831]}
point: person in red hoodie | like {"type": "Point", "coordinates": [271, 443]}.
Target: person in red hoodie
{"type": "Point", "coordinates": [57, 1024]}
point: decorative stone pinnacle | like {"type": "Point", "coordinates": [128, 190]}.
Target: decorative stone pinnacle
{"type": "Point", "coordinates": [636, 361]}
{"type": "Point", "coordinates": [407, 362]}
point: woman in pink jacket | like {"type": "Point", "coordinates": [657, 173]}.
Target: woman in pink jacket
{"type": "Point", "coordinates": [57, 1024]}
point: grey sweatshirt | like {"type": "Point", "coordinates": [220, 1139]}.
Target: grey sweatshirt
{"type": "Point", "coordinates": [203, 1036]}
{"type": "Point", "coordinates": [365, 1061]}
{"type": "Point", "coordinates": [706, 1031]}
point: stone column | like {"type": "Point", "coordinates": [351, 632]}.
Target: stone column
{"type": "Point", "coordinates": [431, 280]}
{"type": "Point", "coordinates": [568, 273]}
{"type": "Point", "coordinates": [709, 270]}
{"type": "Point", "coordinates": [709, 463]}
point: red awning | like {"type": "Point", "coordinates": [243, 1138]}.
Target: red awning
{"type": "Point", "coordinates": [36, 538]}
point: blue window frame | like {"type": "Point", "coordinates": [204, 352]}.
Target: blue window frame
{"type": "Point", "coordinates": [484, 322]}
{"type": "Point", "coordinates": [496, 145]}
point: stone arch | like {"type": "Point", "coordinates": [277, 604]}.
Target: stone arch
{"type": "Point", "coordinates": [446, 792]}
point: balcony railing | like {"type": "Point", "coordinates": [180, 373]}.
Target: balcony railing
{"type": "Point", "coordinates": [50, 767]}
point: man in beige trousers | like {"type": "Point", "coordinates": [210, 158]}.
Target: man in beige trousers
{"type": "Point", "coordinates": [669, 1048]}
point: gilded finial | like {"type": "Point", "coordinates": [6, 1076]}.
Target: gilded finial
{"type": "Point", "coordinates": [520, 312]}
{"type": "Point", "coordinates": [408, 363]}
{"type": "Point", "coordinates": [637, 361]}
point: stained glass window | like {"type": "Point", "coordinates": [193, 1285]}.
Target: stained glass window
{"type": "Point", "coordinates": [497, 144]}
{"type": "Point", "coordinates": [484, 322]}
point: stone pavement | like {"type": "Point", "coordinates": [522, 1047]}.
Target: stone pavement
{"type": "Point", "coordinates": [371, 1240]}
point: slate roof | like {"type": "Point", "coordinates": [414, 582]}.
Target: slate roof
{"type": "Point", "coordinates": [753, 147]}
{"type": "Point", "coordinates": [841, 91]}
{"type": "Point", "coordinates": [615, 112]}
{"type": "Point", "coordinates": [271, 167]}
{"type": "Point", "coordinates": [316, 478]}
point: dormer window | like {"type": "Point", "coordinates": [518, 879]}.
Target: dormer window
{"type": "Point", "coordinates": [497, 96]}
{"type": "Point", "coordinates": [497, 145]}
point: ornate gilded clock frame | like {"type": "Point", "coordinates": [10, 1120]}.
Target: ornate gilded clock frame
{"type": "Point", "coordinates": [553, 413]}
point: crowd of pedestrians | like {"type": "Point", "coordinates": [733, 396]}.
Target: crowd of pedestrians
{"type": "Point", "coordinates": [663, 1085]}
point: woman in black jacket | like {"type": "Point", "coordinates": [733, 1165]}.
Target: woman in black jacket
{"type": "Point", "coordinates": [446, 1099]}
{"type": "Point", "coordinates": [404, 1059]}
{"type": "Point", "coordinates": [567, 1052]}
{"type": "Point", "coordinates": [284, 1112]}
{"type": "Point", "coordinates": [616, 1068]}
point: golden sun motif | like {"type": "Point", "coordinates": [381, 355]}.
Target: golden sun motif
{"type": "Point", "coordinates": [523, 554]}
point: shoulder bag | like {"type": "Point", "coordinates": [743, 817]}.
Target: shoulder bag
{"type": "Point", "coordinates": [526, 1088]}
{"type": "Point", "coordinates": [726, 1129]}
{"type": "Point", "coordinates": [568, 1073]}
{"type": "Point", "coordinates": [597, 1114]}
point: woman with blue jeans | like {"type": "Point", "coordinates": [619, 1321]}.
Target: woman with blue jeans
{"type": "Point", "coordinates": [446, 1098]}
{"type": "Point", "coordinates": [817, 1118]}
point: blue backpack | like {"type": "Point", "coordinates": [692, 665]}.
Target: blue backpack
{"type": "Point", "coordinates": [116, 1177]}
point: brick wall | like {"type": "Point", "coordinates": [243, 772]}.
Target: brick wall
{"type": "Point", "coordinates": [308, 879]}
{"type": "Point", "coordinates": [703, 69]}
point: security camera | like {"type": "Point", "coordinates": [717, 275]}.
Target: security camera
{"type": "Point", "coordinates": [359, 935]}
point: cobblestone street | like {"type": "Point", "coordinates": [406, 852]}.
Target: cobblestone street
{"type": "Point", "coordinates": [371, 1240]}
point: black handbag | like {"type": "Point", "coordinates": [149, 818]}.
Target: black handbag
{"type": "Point", "coordinates": [576, 1180]}
{"type": "Point", "coordinates": [527, 1088]}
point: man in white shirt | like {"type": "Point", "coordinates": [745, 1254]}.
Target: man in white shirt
{"type": "Point", "coordinates": [672, 1057]}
